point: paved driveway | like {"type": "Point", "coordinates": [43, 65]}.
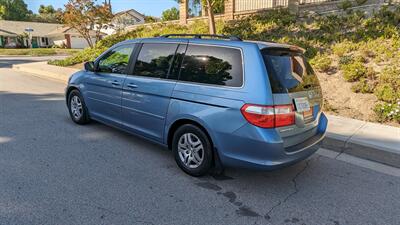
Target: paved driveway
{"type": "Point", "coordinates": [55, 172]}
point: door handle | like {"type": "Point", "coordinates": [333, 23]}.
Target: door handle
{"type": "Point", "coordinates": [115, 82]}
{"type": "Point", "coordinates": [132, 85]}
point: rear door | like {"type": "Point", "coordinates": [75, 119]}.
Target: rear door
{"type": "Point", "coordinates": [104, 87]}
{"type": "Point", "coordinates": [147, 90]}
{"type": "Point", "coordinates": [293, 81]}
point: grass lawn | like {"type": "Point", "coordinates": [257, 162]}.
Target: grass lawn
{"type": "Point", "coordinates": [38, 51]}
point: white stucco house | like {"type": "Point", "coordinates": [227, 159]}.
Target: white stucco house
{"type": "Point", "coordinates": [13, 34]}
{"type": "Point", "coordinates": [124, 19]}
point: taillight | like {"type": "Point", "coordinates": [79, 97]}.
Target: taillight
{"type": "Point", "coordinates": [269, 116]}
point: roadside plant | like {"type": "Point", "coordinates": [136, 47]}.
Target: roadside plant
{"type": "Point", "coordinates": [388, 89]}
{"type": "Point", "coordinates": [345, 5]}
{"type": "Point", "coordinates": [388, 111]}
{"type": "Point", "coordinates": [364, 86]}
{"type": "Point", "coordinates": [345, 60]}
{"type": "Point", "coordinates": [321, 62]}
{"type": "Point", "coordinates": [343, 48]}
{"type": "Point", "coordinates": [354, 71]}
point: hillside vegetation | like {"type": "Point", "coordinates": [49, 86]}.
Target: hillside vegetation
{"type": "Point", "coordinates": [357, 57]}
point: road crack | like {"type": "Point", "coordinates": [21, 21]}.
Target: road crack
{"type": "Point", "coordinates": [344, 148]}
{"type": "Point", "coordinates": [296, 190]}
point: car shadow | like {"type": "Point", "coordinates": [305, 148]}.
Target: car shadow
{"type": "Point", "coordinates": [37, 133]}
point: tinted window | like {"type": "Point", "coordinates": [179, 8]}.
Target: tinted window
{"type": "Point", "coordinates": [289, 71]}
{"type": "Point", "coordinates": [180, 53]}
{"type": "Point", "coordinates": [116, 60]}
{"type": "Point", "coordinates": [154, 60]}
{"type": "Point", "coordinates": [212, 65]}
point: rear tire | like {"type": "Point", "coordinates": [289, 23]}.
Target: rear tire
{"type": "Point", "coordinates": [192, 150]}
{"type": "Point", "coordinates": [77, 108]}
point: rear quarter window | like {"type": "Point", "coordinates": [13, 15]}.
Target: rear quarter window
{"type": "Point", "coordinates": [212, 65]}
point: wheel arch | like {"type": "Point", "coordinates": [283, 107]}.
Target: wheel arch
{"type": "Point", "coordinates": [69, 89]}
{"type": "Point", "coordinates": [180, 122]}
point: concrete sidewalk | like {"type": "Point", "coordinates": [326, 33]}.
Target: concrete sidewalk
{"type": "Point", "coordinates": [42, 69]}
{"type": "Point", "coordinates": [366, 140]}
{"type": "Point", "coordinates": [362, 139]}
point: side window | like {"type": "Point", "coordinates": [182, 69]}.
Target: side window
{"type": "Point", "coordinates": [212, 65]}
{"type": "Point", "coordinates": [155, 60]}
{"type": "Point", "coordinates": [116, 60]}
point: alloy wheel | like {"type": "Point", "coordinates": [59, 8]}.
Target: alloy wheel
{"type": "Point", "coordinates": [190, 150]}
{"type": "Point", "coordinates": [76, 107]}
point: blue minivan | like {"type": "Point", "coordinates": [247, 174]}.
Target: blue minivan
{"type": "Point", "coordinates": [215, 101]}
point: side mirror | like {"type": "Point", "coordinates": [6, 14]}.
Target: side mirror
{"type": "Point", "coordinates": [89, 66]}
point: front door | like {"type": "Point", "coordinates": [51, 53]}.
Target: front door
{"type": "Point", "coordinates": [35, 42]}
{"type": "Point", "coordinates": [147, 92]}
{"type": "Point", "coordinates": [104, 87]}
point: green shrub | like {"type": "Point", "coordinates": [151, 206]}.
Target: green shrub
{"type": "Point", "coordinates": [385, 93]}
{"type": "Point", "coordinates": [88, 54]}
{"type": "Point", "coordinates": [345, 60]}
{"type": "Point", "coordinates": [343, 48]}
{"type": "Point", "coordinates": [360, 58]}
{"type": "Point", "coordinates": [322, 62]}
{"type": "Point", "coordinates": [388, 89]}
{"type": "Point", "coordinates": [363, 86]}
{"type": "Point", "coordinates": [388, 111]}
{"type": "Point", "coordinates": [345, 5]}
{"type": "Point", "coordinates": [366, 53]}
{"type": "Point", "coordinates": [391, 75]}
{"type": "Point", "coordinates": [354, 71]}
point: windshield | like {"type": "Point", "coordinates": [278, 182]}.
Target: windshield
{"type": "Point", "coordinates": [289, 71]}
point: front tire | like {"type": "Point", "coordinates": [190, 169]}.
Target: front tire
{"type": "Point", "coordinates": [192, 150]}
{"type": "Point", "coordinates": [77, 108]}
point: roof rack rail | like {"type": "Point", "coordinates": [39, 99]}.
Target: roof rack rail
{"type": "Point", "coordinates": [200, 36]}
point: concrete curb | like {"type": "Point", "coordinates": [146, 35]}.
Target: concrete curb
{"type": "Point", "coordinates": [375, 142]}
{"type": "Point", "coordinates": [44, 70]}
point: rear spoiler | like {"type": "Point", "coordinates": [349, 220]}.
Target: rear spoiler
{"type": "Point", "coordinates": [290, 48]}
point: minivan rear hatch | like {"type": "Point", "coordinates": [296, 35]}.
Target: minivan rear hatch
{"type": "Point", "coordinates": [293, 81]}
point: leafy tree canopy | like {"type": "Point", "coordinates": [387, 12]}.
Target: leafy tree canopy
{"type": "Point", "coordinates": [14, 10]}
{"type": "Point", "coordinates": [170, 14]}
{"type": "Point", "coordinates": [46, 9]}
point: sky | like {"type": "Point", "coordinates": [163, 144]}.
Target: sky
{"type": "Point", "coordinates": [147, 7]}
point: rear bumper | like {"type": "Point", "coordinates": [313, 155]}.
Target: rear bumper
{"type": "Point", "coordinates": [263, 149]}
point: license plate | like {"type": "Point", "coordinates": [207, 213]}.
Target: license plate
{"type": "Point", "coordinates": [307, 114]}
{"type": "Point", "coordinates": [302, 104]}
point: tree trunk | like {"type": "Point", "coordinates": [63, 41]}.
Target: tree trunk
{"type": "Point", "coordinates": [98, 32]}
{"type": "Point", "coordinates": [211, 19]}
{"type": "Point", "coordinates": [88, 40]}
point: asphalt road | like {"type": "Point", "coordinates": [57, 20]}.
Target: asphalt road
{"type": "Point", "coordinates": [55, 172]}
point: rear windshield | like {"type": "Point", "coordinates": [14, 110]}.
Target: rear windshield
{"type": "Point", "coordinates": [289, 71]}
